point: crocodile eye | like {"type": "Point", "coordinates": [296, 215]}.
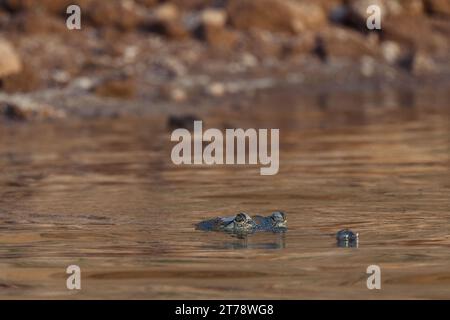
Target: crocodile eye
{"type": "Point", "coordinates": [240, 217]}
{"type": "Point", "coordinates": [278, 216]}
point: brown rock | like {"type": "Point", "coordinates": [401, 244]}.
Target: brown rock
{"type": "Point", "coordinates": [343, 42]}
{"type": "Point", "coordinates": [171, 29]}
{"type": "Point", "coordinates": [17, 5]}
{"type": "Point", "coordinates": [10, 62]}
{"type": "Point", "coordinates": [24, 81]}
{"type": "Point", "coordinates": [415, 34]}
{"type": "Point", "coordinates": [285, 16]}
{"type": "Point", "coordinates": [167, 12]}
{"type": "Point", "coordinates": [148, 3]}
{"type": "Point", "coordinates": [124, 88]}
{"type": "Point", "coordinates": [123, 15]}
{"type": "Point", "coordinates": [212, 29]}
{"type": "Point", "coordinates": [166, 20]}
{"type": "Point", "coordinates": [439, 7]}
{"type": "Point", "coordinates": [51, 6]}
{"type": "Point", "coordinates": [191, 4]}
{"type": "Point", "coordinates": [34, 22]}
{"type": "Point", "coordinates": [423, 64]}
{"type": "Point", "coordinates": [262, 44]}
{"type": "Point", "coordinates": [304, 44]}
{"type": "Point", "coordinates": [214, 17]}
{"type": "Point", "coordinates": [217, 37]}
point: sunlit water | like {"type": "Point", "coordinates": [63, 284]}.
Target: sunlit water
{"type": "Point", "coordinates": [104, 195]}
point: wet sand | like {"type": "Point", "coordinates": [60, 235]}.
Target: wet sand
{"type": "Point", "coordinates": [104, 195]}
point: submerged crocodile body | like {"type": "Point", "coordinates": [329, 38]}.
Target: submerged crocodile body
{"type": "Point", "coordinates": [243, 223]}
{"type": "Point", "coordinates": [276, 222]}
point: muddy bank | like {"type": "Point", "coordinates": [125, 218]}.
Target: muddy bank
{"type": "Point", "coordinates": [134, 57]}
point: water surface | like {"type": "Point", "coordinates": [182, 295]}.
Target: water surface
{"type": "Point", "coordinates": [104, 195]}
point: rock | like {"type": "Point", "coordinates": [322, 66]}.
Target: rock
{"type": "Point", "coordinates": [123, 88]}
{"type": "Point", "coordinates": [82, 83]}
{"type": "Point", "coordinates": [10, 62]}
{"type": "Point", "coordinates": [214, 17]}
{"type": "Point", "coordinates": [391, 51]}
{"type": "Point", "coordinates": [248, 60]}
{"type": "Point", "coordinates": [213, 31]}
{"type": "Point", "coordinates": [172, 30]}
{"type": "Point", "coordinates": [423, 64]}
{"type": "Point", "coordinates": [217, 37]}
{"type": "Point", "coordinates": [178, 95]}
{"type": "Point", "coordinates": [34, 22]}
{"type": "Point", "coordinates": [57, 7]}
{"type": "Point", "coordinates": [122, 14]}
{"type": "Point", "coordinates": [26, 80]}
{"type": "Point", "coordinates": [166, 20]}
{"type": "Point", "coordinates": [60, 76]}
{"type": "Point", "coordinates": [182, 121]}
{"type": "Point", "coordinates": [367, 66]}
{"type": "Point", "coordinates": [170, 67]}
{"type": "Point", "coordinates": [216, 89]}
{"type": "Point", "coordinates": [167, 12]}
{"type": "Point", "coordinates": [411, 7]}
{"type": "Point", "coordinates": [189, 5]}
{"type": "Point", "coordinates": [285, 16]}
{"type": "Point", "coordinates": [344, 42]}
{"type": "Point", "coordinates": [416, 34]}
{"type": "Point", "coordinates": [438, 7]}
{"type": "Point", "coordinates": [304, 44]}
{"type": "Point", "coordinates": [16, 5]}
{"type": "Point", "coordinates": [172, 93]}
{"type": "Point", "coordinates": [148, 3]}
{"type": "Point", "coordinates": [262, 44]}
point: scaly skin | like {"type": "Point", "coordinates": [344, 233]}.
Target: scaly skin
{"type": "Point", "coordinates": [242, 222]}
{"type": "Point", "coordinates": [276, 222]}
{"type": "Point", "coordinates": [347, 238]}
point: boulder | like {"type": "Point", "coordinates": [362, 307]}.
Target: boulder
{"type": "Point", "coordinates": [166, 20]}
{"type": "Point", "coordinates": [439, 7]}
{"type": "Point", "coordinates": [51, 6]}
{"type": "Point", "coordinates": [213, 31]}
{"type": "Point", "coordinates": [123, 15]}
{"type": "Point", "coordinates": [117, 87]}
{"type": "Point", "coordinates": [344, 42]}
{"type": "Point", "coordinates": [26, 80]}
{"type": "Point", "coordinates": [286, 16]}
{"type": "Point", "coordinates": [10, 62]}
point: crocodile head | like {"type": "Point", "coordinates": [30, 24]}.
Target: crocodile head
{"type": "Point", "coordinates": [278, 219]}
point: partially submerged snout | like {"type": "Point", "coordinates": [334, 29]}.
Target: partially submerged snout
{"type": "Point", "coordinates": [279, 219]}
{"type": "Point", "coordinates": [347, 238]}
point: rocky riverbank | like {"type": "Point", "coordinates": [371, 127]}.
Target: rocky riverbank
{"type": "Point", "coordinates": [143, 56]}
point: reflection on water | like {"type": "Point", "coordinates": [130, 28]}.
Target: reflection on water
{"type": "Point", "coordinates": [104, 195]}
{"type": "Point", "coordinates": [252, 241]}
{"type": "Point", "coordinates": [347, 243]}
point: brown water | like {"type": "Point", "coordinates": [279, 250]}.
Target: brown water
{"type": "Point", "coordinates": [104, 195]}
